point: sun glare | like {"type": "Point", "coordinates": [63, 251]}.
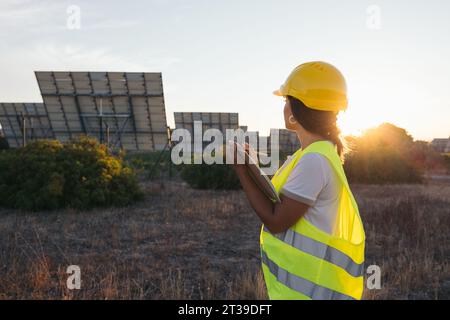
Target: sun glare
{"type": "Point", "coordinates": [351, 125]}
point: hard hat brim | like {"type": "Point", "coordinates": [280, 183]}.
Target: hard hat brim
{"type": "Point", "coordinates": [278, 93]}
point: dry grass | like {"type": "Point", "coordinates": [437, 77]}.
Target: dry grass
{"type": "Point", "coordinates": [407, 230]}
{"type": "Point", "coordinates": [181, 243]}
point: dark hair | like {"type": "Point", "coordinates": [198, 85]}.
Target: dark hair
{"type": "Point", "coordinates": [319, 122]}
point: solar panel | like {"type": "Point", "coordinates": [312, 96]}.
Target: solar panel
{"type": "Point", "coordinates": [264, 143]}
{"type": "Point", "coordinates": [252, 137]}
{"type": "Point", "coordinates": [288, 141]}
{"type": "Point", "coordinates": [23, 122]}
{"type": "Point", "coordinates": [125, 110]}
{"type": "Point", "coordinates": [221, 121]}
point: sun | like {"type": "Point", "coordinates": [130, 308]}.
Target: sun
{"type": "Point", "coordinates": [350, 125]}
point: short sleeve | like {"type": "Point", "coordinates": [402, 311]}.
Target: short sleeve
{"type": "Point", "coordinates": [306, 180]}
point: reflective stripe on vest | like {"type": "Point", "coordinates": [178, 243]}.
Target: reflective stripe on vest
{"type": "Point", "coordinates": [300, 284]}
{"type": "Point", "coordinates": [320, 250]}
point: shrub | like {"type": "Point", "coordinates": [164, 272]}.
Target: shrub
{"type": "Point", "coordinates": [386, 154]}
{"type": "Point", "coordinates": [3, 143]}
{"type": "Point", "coordinates": [82, 174]}
{"type": "Point", "coordinates": [381, 166]}
{"type": "Point", "coordinates": [153, 164]}
{"type": "Point", "coordinates": [214, 176]}
{"type": "Point", "coordinates": [447, 162]}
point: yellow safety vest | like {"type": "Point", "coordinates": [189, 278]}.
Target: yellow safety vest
{"type": "Point", "coordinates": [305, 262]}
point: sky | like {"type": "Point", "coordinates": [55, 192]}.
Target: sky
{"type": "Point", "coordinates": [228, 56]}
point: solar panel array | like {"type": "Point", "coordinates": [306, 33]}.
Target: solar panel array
{"type": "Point", "coordinates": [288, 141]}
{"type": "Point", "coordinates": [125, 110]}
{"type": "Point", "coordinates": [221, 121]}
{"type": "Point", "coordinates": [264, 142]}
{"type": "Point", "coordinates": [252, 137]}
{"type": "Point", "coordinates": [126, 107]}
{"type": "Point", "coordinates": [24, 120]}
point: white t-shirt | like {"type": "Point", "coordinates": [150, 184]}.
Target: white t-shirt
{"type": "Point", "coordinates": [314, 182]}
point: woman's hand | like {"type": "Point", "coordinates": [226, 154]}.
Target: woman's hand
{"type": "Point", "coordinates": [239, 163]}
{"type": "Point", "coordinates": [277, 217]}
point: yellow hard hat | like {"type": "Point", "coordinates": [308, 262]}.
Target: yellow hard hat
{"type": "Point", "coordinates": [319, 85]}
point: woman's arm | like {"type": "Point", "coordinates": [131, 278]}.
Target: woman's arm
{"type": "Point", "coordinates": [276, 217]}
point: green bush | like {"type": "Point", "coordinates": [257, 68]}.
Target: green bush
{"type": "Point", "coordinates": [152, 164]}
{"type": "Point", "coordinates": [214, 176]}
{"type": "Point", "coordinates": [386, 154]}
{"type": "Point", "coordinates": [3, 143]}
{"type": "Point", "coordinates": [82, 174]}
{"type": "Point", "coordinates": [380, 166]}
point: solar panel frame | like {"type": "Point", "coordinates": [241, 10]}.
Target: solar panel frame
{"type": "Point", "coordinates": [288, 141]}
{"type": "Point", "coordinates": [215, 120]}
{"type": "Point", "coordinates": [131, 108]}
{"type": "Point", "coordinates": [14, 115]}
{"type": "Point", "coordinates": [62, 105]}
{"type": "Point", "coordinates": [116, 122]}
{"type": "Point", "coordinates": [138, 95]}
{"type": "Point", "coordinates": [11, 127]}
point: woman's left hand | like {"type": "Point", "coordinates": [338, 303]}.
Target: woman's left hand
{"type": "Point", "coordinates": [239, 167]}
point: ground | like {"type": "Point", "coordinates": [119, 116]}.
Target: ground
{"type": "Point", "coordinates": [180, 243]}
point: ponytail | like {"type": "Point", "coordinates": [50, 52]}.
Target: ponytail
{"type": "Point", "coordinates": [334, 135]}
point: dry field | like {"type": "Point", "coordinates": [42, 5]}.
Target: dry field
{"type": "Point", "coordinates": [181, 243]}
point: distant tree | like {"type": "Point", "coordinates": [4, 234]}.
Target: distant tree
{"type": "Point", "coordinates": [426, 159]}
{"type": "Point", "coordinates": [385, 154]}
{"type": "Point", "coordinates": [447, 163]}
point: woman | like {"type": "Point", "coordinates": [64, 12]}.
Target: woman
{"type": "Point", "coordinates": [312, 243]}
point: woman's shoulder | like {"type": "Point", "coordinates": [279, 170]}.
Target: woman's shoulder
{"type": "Point", "coordinates": [317, 165]}
{"type": "Point", "coordinates": [313, 160]}
{"type": "Point", "coordinates": [308, 178]}
{"type": "Point", "coordinates": [311, 167]}
{"type": "Point", "coordinates": [312, 156]}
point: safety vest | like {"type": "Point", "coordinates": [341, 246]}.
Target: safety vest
{"type": "Point", "coordinates": [305, 262]}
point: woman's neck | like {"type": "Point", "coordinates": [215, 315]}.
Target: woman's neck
{"type": "Point", "coordinates": [306, 138]}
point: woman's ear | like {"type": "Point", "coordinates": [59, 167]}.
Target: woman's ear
{"type": "Point", "coordinates": [292, 120]}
